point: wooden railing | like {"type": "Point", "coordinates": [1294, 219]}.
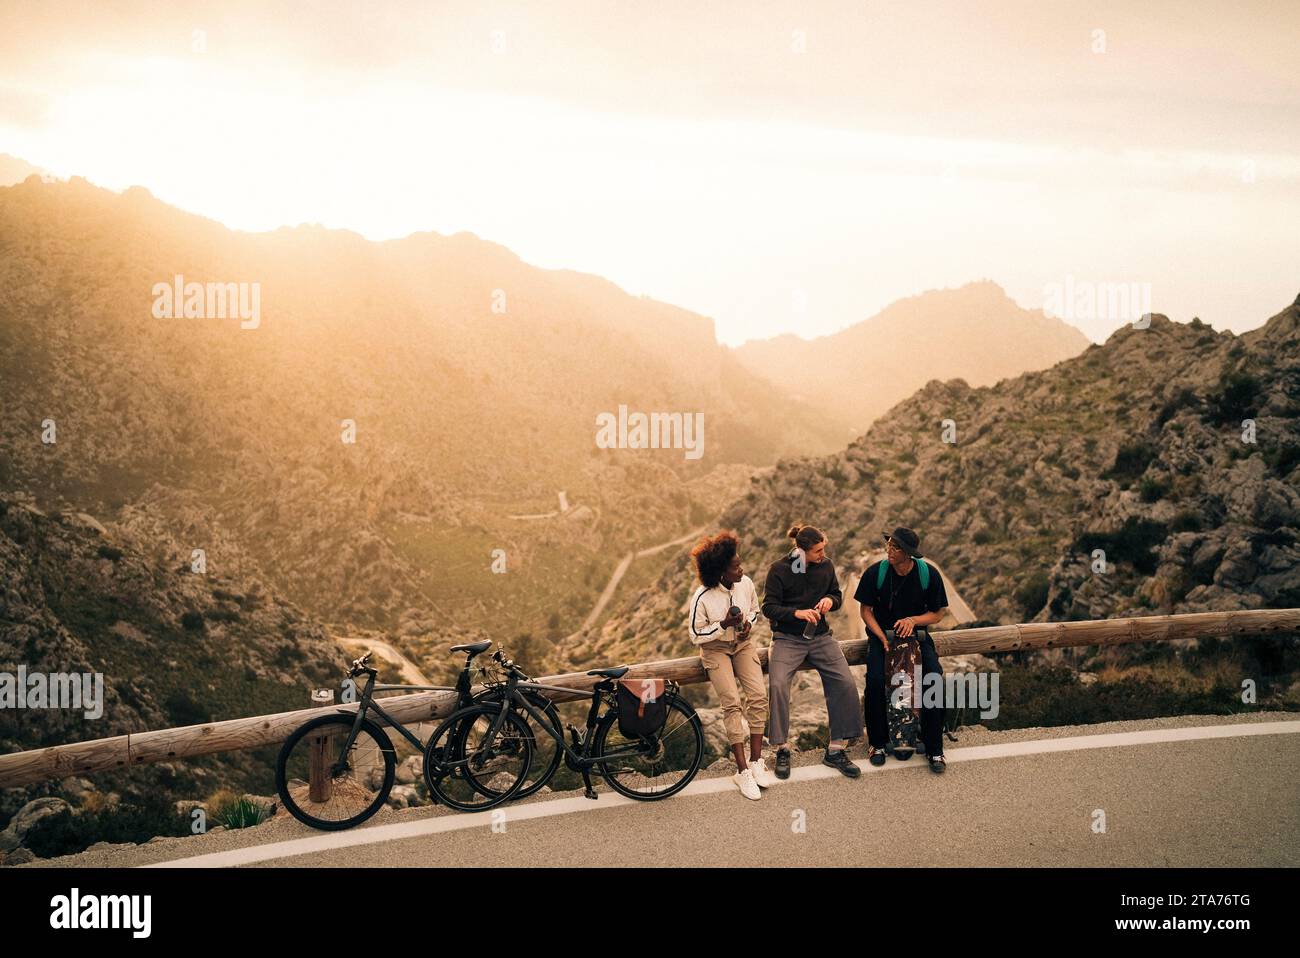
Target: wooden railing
{"type": "Point", "coordinates": [142, 748]}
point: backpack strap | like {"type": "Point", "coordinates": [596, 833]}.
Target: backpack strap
{"type": "Point", "coordinates": [881, 571]}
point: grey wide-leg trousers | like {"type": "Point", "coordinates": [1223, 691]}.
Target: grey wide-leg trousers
{"type": "Point", "coordinates": [824, 654]}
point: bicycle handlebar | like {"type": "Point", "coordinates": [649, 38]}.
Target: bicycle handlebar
{"type": "Point", "coordinates": [499, 656]}
{"type": "Point", "coordinates": [362, 664]}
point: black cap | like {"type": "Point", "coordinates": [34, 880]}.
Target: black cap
{"type": "Point", "coordinates": [908, 539]}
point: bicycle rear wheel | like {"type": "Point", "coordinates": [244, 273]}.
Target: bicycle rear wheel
{"type": "Point", "coordinates": [650, 770]}
{"type": "Point", "coordinates": [547, 752]}
{"type": "Point", "coordinates": [325, 789]}
{"type": "Point", "coordinates": [466, 772]}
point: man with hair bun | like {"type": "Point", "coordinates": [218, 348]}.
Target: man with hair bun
{"type": "Point", "coordinates": [802, 589]}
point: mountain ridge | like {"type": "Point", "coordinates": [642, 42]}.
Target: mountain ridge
{"type": "Point", "coordinates": [943, 333]}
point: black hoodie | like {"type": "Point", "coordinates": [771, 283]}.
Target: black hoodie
{"type": "Point", "coordinates": [788, 591]}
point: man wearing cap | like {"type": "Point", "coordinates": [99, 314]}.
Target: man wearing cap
{"type": "Point", "coordinates": [900, 603]}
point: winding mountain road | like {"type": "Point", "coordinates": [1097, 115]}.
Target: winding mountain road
{"type": "Point", "coordinates": [621, 569]}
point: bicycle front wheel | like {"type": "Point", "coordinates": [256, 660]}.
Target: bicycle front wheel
{"type": "Point", "coordinates": [470, 770]}
{"type": "Point", "coordinates": [327, 789]}
{"type": "Point", "coordinates": [651, 769]}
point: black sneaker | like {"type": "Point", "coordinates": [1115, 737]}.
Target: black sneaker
{"type": "Point", "coordinates": [876, 756]}
{"type": "Point", "coordinates": [840, 759]}
{"type": "Point", "coordinates": [937, 764]}
{"type": "Point", "coordinates": [782, 763]}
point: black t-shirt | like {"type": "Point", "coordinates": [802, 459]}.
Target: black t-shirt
{"type": "Point", "coordinates": [900, 597]}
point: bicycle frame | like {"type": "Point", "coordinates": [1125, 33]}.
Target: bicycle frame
{"type": "Point", "coordinates": [462, 688]}
{"type": "Point", "coordinates": [583, 759]}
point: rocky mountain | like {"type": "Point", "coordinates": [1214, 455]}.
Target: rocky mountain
{"type": "Point", "coordinates": [469, 381]}
{"type": "Point", "coordinates": [1170, 453]}
{"type": "Point", "coordinates": [174, 647]}
{"type": "Point", "coordinates": [976, 333]}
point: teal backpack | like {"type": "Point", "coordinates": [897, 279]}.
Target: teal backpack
{"type": "Point", "coordinates": [922, 570]}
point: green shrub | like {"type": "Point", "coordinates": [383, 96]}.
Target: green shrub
{"type": "Point", "coordinates": [240, 814]}
{"type": "Point", "coordinates": [1133, 543]}
{"type": "Point", "coordinates": [1153, 488]}
{"type": "Point", "coordinates": [1183, 399]}
{"type": "Point", "coordinates": [1234, 398]}
{"type": "Point", "coordinates": [286, 656]}
{"type": "Point", "coordinates": [1032, 594]}
{"type": "Point", "coordinates": [1130, 462]}
{"type": "Point", "coordinates": [70, 832]}
{"type": "Point", "coordinates": [1282, 459]}
{"type": "Point", "coordinates": [182, 709]}
{"type": "Point", "coordinates": [1031, 697]}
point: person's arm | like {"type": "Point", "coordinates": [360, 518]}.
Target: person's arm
{"type": "Point", "coordinates": [865, 595]}
{"type": "Point", "coordinates": [755, 610]}
{"type": "Point", "coordinates": [903, 627]}
{"type": "Point", "coordinates": [750, 610]}
{"type": "Point", "coordinates": [774, 599]}
{"type": "Point", "coordinates": [774, 606]}
{"type": "Point", "coordinates": [833, 598]}
{"type": "Point", "coordinates": [873, 627]}
{"type": "Point", "coordinates": [936, 602]}
{"type": "Point", "coordinates": [703, 629]}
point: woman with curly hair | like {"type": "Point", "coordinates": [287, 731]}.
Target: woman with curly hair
{"type": "Point", "coordinates": [723, 611]}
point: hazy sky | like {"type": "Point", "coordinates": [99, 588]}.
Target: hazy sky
{"type": "Point", "coordinates": [778, 167]}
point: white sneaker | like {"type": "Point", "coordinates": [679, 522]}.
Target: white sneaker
{"type": "Point", "coordinates": [745, 782]}
{"type": "Point", "coordinates": [762, 777]}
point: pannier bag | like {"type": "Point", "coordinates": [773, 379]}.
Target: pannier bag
{"type": "Point", "coordinates": [642, 708]}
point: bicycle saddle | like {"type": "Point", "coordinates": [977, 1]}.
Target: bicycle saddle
{"type": "Point", "coordinates": [473, 649]}
{"type": "Point", "coordinates": [617, 673]}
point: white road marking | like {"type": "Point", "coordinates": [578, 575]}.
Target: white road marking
{"type": "Point", "coordinates": [708, 786]}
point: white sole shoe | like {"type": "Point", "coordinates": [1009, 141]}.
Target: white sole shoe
{"type": "Point", "coordinates": [745, 782]}
{"type": "Point", "coordinates": [763, 778]}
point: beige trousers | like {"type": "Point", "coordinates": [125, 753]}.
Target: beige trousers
{"type": "Point", "coordinates": [734, 669]}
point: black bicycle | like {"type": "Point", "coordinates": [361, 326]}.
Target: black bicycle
{"type": "Point", "coordinates": [466, 747]}
{"type": "Point", "coordinates": [337, 770]}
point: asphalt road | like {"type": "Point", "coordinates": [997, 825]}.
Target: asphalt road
{"type": "Point", "coordinates": [1171, 796]}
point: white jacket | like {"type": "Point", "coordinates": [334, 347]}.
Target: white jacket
{"type": "Point", "coordinates": [708, 607]}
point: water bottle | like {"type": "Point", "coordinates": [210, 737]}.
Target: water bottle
{"type": "Point", "coordinates": [810, 629]}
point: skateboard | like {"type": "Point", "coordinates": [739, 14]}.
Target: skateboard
{"type": "Point", "coordinates": [904, 656]}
